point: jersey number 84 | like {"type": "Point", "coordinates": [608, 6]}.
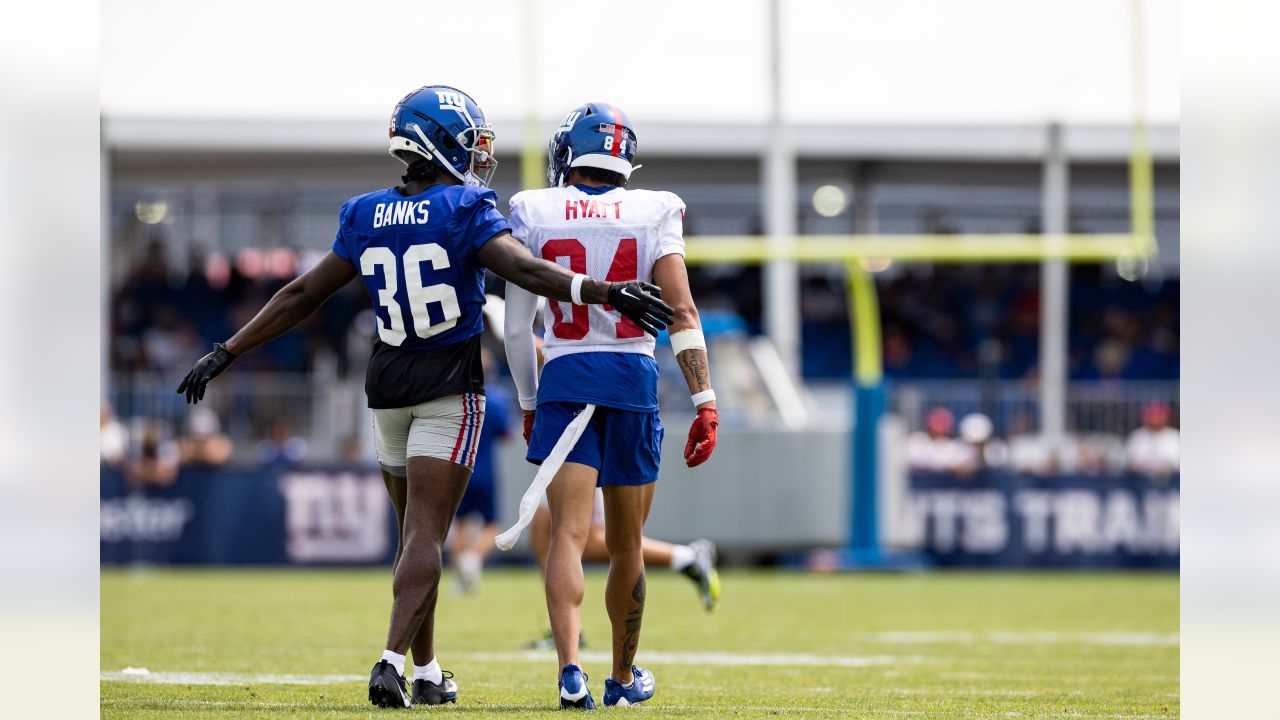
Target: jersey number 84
{"type": "Point", "coordinates": [622, 269]}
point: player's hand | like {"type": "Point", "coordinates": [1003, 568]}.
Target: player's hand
{"type": "Point", "coordinates": [702, 437]}
{"type": "Point", "coordinates": [641, 302]}
{"type": "Point", "coordinates": [206, 368]}
{"type": "Point", "coordinates": [528, 425]}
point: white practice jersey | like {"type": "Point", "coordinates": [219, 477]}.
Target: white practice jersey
{"type": "Point", "coordinates": [617, 236]}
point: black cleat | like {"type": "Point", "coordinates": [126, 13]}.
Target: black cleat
{"type": "Point", "coordinates": [387, 687]}
{"type": "Point", "coordinates": [703, 573]}
{"type": "Point", "coordinates": [426, 692]}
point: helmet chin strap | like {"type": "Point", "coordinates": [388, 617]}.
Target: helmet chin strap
{"type": "Point", "coordinates": [468, 179]}
{"type": "Point", "coordinates": [565, 169]}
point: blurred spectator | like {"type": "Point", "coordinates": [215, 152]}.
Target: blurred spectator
{"type": "Point", "coordinates": [155, 460]}
{"type": "Point", "coordinates": [935, 450]}
{"type": "Point", "coordinates": [1030, 452]}
{"type": "Point", "coordinates": [937, 321]}
{"type": "Point", "coordinates": [980, 450]}
{"type": "Point", "coordinates": [169, 343]}
{"type": "Point", "coordinates": [1100, 454]}
{"type": "Point", "coordinates": [113, 438]}
{"type": "Point", "coordinates": [1153, 449]}
{"type": "Point", "coordinates": [205, 444]}
{"type": "Point", "coordinates": [282, 448]}
{"type": "Point", "coordinates": [355, 452]}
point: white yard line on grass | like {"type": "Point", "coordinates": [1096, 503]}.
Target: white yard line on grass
{"type": "Point", "coordinates": [965, 637]}
{"type": "Point", "coordinates": [663, 707]}
{"type": "Point", "coordinates": [219, 678]}
{"type": "Point", "coordinates": [719, 659]}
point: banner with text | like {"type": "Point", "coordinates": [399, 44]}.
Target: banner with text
{"type": "Point", "coordinates": [1002, 519]}
{"type": "Point", "coordinates": [329, 516]}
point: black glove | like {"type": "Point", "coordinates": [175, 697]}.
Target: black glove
{"type": "Point", "coordinates": [641, 302]}
{"type": "Point", "coordinates": [206, 368]}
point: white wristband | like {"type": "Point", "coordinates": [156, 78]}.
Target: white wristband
{"type": "Point", "coordinates": [687, 340]}
{"type": "Point", "coordinates": [705, 396]}
{"type": "Point", "coordinates": [575, 289]}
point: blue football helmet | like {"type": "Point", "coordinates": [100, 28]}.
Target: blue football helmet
{"type": "Point", "coordinates": [595, 135]}
{"type": "Point", "coordinates": [445, 126]}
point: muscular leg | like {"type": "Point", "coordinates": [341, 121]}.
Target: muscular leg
{"type": "Point", "coordinates": [597, 551]}
{"type": "Point", "coordinates": [540, 537]}
{"type": "Point", "coordinates": [485, 535]}
{"type": "Point", "coordinates": [626, 507]}
{"type": "Point", "coordinates": [458, 537]}
{"type": "Point", "coordinates": [398, 490]}
{"type": "Point", "coordinates": [570, 496]}
{"type": "Point", "coordinates": [656, 552]}
{"type": "Point", "coordinates": [434, 489]}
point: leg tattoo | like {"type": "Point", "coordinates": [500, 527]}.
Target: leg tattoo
{"type": "Point", "coordinates": [631, 641]}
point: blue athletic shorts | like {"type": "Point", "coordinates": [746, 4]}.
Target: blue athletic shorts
{"type": "Point", "coordinates": [624, 446]}
{"type": "Point", "coordinates": [478, 499]}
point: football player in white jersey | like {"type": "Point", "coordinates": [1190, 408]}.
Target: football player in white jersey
{"type": "Point", "coordinates": [600, 365]}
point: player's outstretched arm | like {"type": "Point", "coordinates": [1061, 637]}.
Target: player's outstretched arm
{"type": "Point", "coordinates": [294, 303]}
{"type": "Point", "coordinates": [639, 301]}
{"type": "Point", "coordinates": [691, 354]}
{"type": "Point", "coordinates": [522, 354]}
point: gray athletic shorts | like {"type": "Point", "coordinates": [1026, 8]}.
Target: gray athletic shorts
{"type": "Point", "coordinates": [447, 428]}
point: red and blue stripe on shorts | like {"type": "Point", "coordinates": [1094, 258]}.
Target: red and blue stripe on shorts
{"type": "Point", "coordinates": [464, 449]}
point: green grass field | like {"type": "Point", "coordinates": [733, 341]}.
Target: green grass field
{"type": "Point", "coordinates": [944, 645]}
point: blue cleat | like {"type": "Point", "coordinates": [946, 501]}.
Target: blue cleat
{"type": "Point", "coordinates": [573, 689]}
{"type": "Point", "coordinates": [641, 689]}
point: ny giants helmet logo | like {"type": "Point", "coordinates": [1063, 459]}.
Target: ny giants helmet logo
{"type": "Point", "coordinates": [567, 123]}
{"type": "Point", "coordinates": [451, 101]}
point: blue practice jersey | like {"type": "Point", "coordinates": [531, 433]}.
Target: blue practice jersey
{"type": "Point", "coordinates": [417, 258]}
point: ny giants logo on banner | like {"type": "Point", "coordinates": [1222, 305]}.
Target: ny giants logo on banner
{"type": "Point", "coordinates": [335, 517]}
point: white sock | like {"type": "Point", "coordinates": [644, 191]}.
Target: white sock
{"type": "Point", "coordinates": [396, 660]}
{"type": "Point", "coordinates": [469, 562]}
{"type": "Point", "coordinates": [429, 672]}
{"type": "Point", "coordinates": [682, 556]}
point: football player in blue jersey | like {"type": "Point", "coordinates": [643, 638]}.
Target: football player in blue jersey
{"type": "Point", "coordinates": [421, 249]}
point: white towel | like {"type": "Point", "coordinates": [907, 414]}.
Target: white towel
{"type": "Point", "coordinates": [548, 470]}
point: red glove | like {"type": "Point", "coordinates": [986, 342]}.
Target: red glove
{"type": "Point", "coordinates": [528, 425]}
{"type": "Point", "coordinates": [702, 437]}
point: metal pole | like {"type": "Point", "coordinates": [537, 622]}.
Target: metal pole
{"type": "Point", "coordinates": [781, 285]}
{"type": "Point", "coordinates": [1053, 294]}
{"type": "Point", "coordinates": [1141, 200]}
{"type": "Point", "coordinates": [532, 149]}
{"type": "Point", "coordinates": [104, 276]}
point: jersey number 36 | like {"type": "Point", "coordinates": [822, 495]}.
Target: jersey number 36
{"type": "Point", "coordinates": [374, 259]}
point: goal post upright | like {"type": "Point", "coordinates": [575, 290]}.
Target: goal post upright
{"type": "Point", "coordinates": [864, 315]}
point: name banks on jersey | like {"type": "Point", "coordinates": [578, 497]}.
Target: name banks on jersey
{"type": "Point", "coordinates": [592, 353]}
{"type": "Point", "coordinates": [417, 258]}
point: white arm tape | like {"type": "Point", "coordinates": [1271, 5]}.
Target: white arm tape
{"type": "Point", "coordinates": [529, 503]}
{"type": "Point", "coordinates": [575, 289]}
{"type": "Point", "coordinates": [687, 340]}
{"type": "Point", "coordinates": [703, 397]}
{"type": "Point", "coordinates": [522, 355]}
